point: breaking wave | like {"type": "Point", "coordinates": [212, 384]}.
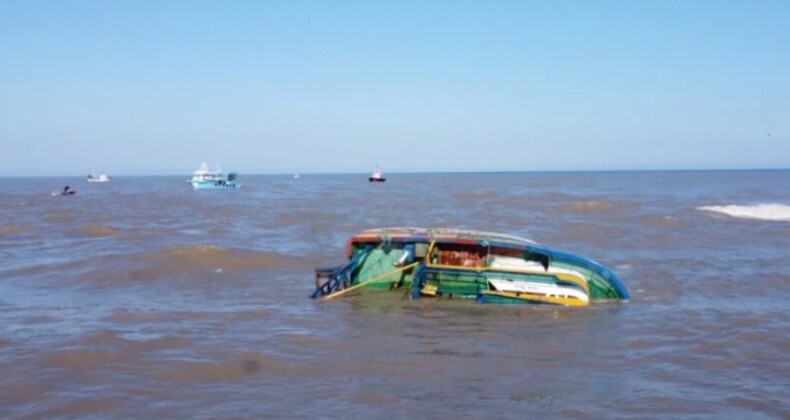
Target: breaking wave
{"type": "Point", "coordinates": [774, 212]}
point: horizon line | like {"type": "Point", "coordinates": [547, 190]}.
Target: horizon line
{"type": "Point", "coordinates": [426, 172]}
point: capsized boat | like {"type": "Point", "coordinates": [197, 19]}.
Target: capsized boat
{"type": "Point", "coordinates": [100, 178]}
{"type": "Point", "coordinates": [488, 267]}
{"type": "Point", "coordinates": [376, 176]}
{"type": "Point", "coordinates": [205, 179]}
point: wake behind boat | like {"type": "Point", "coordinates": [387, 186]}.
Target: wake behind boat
{"type": "Point", "coordinates": [488, 267]}
{"type": "Point", "coordinates": [204, 179]}
{"type": "Point", "coordinates": [57, 193]}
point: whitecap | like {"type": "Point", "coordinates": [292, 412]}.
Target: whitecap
{"type": "Point", "coordinates": [774, 212]}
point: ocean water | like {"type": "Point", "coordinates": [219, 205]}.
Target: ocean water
{"type": "Point", "coordinates": [143, 298]}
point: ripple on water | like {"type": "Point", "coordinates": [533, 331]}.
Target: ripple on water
{"type": "Point", "coordinates": [247, 365]}
{"type": "Point", "coordinates": [194, 263]}
{"type": "Point", "coordinates": [126, 316]}
{"type": "Point", "coordinates": [98, 230]}
{"type": "Point", "coordinates": [20, 391]}
{"type": "Point", "coordinates": [74, 359]}
{"type": "Point", "coordinates": [10, 230]}
{"type": "Point", "coordinates": [86, 406]}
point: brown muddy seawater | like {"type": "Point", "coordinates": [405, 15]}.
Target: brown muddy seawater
{"type": "Point", "coordinates": [143, 298]}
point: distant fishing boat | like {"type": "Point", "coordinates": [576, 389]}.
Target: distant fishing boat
{"type": "Point", "coordinates": [205, 179]}
{"type": "Point", "coordinates": [376, 176]}
{"type": "Point", "coordinates": [101, 178]}
{"type": "Point", "coordinates": [488, 267]}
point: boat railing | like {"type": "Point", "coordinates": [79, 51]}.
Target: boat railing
{"type": "Point", "coordinates": [338, 277]}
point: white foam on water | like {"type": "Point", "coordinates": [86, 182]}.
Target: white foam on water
{"type": "Point", "coordinates": [775, 212]}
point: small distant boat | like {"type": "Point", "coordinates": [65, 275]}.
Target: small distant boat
{"type": "Point", "coordinates": [65, 191]}
{"type": "Point", "coordinates": [101, 178]}
{"type": "Point", "coordinates": [454, 263]}
{"type": "Point", "coordinates": [376, 176]}
{"type": "Point", "coordinates": [296, 176]}
{"type": "Point", "coordinates": [205, 179]}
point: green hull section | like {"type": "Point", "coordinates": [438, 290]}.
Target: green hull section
{"type": "Point", "coordinates": [378, 263]}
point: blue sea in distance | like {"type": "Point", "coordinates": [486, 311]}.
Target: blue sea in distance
{"type": "Point", "coordinates": [143, 298]}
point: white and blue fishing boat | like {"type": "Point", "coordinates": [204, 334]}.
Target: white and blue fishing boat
{"type": "Point", "coordinates": [205, 179]}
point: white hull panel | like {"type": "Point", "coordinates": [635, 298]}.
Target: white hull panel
{"type": "Point", "coordinates": [504, 285]}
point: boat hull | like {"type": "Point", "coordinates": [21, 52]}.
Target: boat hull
{"type": "Point", "coordinates": [217, 185]}
{"type": "Point", "coordinates": [470, 264]}
{"type": "Point", "coordinates": [551, 289]}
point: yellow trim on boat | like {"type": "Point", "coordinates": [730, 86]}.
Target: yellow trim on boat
{"type": "Point", "coordinates": [557, 300]}
{"type": "Point", "coordinates": [429, 251]}
{"type": "Point", "coordinates": [429, 290]}
{"type": "Point", "coordinates": [573, 279]}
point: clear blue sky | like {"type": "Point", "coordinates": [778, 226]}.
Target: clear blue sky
{"type": "Point", "coordinates": [157, 87]}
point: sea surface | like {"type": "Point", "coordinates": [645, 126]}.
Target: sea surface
{"type": "Point", "coordinates": [141, 298]}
